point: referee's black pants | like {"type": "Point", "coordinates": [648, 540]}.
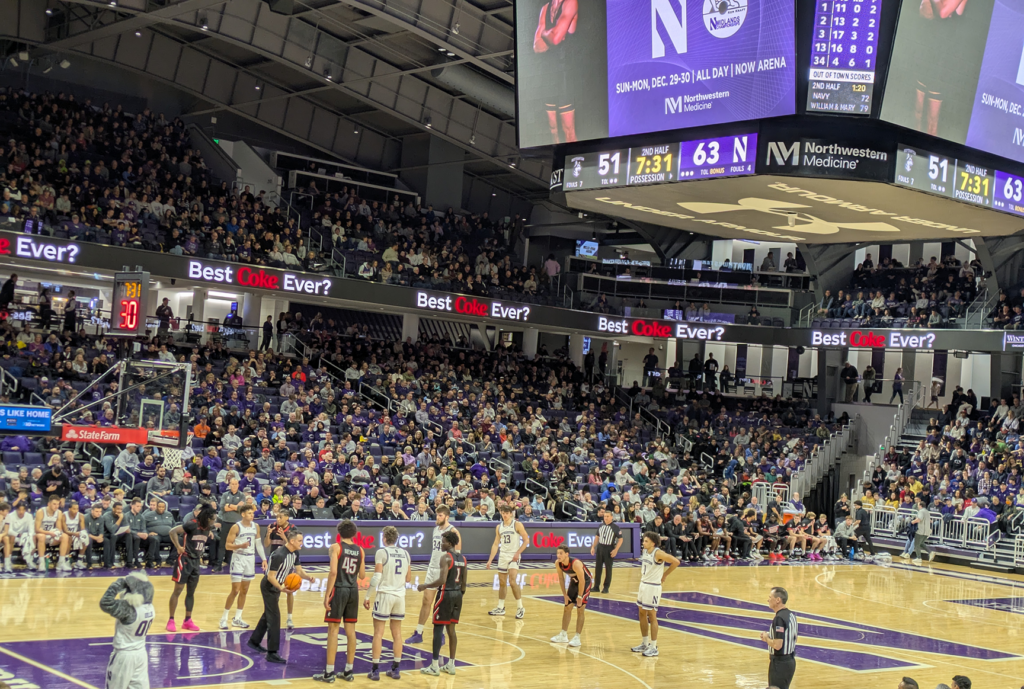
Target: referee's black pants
{"type": "Point", "coordinates": [603, 553]}
{"type": "Point", "coordinates": [270, 623]}
{"type": "Point", "coordinates": [781, 670]}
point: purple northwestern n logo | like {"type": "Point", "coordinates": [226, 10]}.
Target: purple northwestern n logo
{"type": "Point", "coordinates": [729, 615]}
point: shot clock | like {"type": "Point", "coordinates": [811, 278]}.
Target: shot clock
{"type": "Point", "coordinates": [843, 56]}
{"type": "Point", "coordinates": [960, 180]}
{"type": "Point", "coordinates": [128, 310]}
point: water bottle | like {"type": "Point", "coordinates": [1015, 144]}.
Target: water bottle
{"type": "Point", "coordinates": [853, 552]}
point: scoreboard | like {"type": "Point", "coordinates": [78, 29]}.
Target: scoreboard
{"type": "Point", "coordinates": [844, 54]}
{"type": "Point", "coordinates": [725, 156]}
{"type": "Point", "coordinates": [960, 180]}
{"type": "Point", "coordinates": [128, 306]}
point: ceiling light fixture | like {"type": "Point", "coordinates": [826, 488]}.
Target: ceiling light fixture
{"type": "Point", "coordinates": [13, 61]}
{"type": "Point", "coordinates": [309, 61]}
{"type": "Point", "coordinates": [65, 63]}
{"type": "Point", "coordinates": [138, 34]}
{"type": "Point", "coordinates": [455, 30]}
{"type": "Point", "coordinates": [428, 123]}
{"type": "Point", "coordinates": [472, 140]}
{"type": "Point", "coordinates": [203, 23]}
{"type": "Point", "coordinates": [49, 12]}
{"type": "Point", "coordinates": [258, 85]}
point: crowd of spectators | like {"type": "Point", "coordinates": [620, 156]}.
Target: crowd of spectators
{"type": "Point", "coordinates": [925, 295]}
{"type": "Point", "coordinates": [969, 464]}
{"type": "Point", "coordinates": [390, 430]}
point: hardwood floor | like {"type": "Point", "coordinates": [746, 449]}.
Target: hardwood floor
{"type": "Point", "coordinates": [861, 626]}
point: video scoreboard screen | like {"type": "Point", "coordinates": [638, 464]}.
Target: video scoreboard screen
{"type": "Point", "coordinates": [960, 180]}
{"type": "Point", "coordinates": [726, 156]}
{"type": "Point", "coordinates": [844, 53]}
{"type": "Point", "coordinates": [957, 72]}
{"type": "Point", "coordinates": [610, 68]}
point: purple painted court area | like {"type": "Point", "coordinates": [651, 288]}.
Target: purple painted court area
{"type": "Point", "coordinates": [1015, 604]}
{"type": "Point", "coordinates": [186, 660]}
{"type": "Point", "coordinates": [873, 639]}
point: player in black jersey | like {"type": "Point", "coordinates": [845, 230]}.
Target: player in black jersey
{"type": "Point", "coordinates": [348, 565]}
{"type": "Point", "coordinates": [186, 567]}
{"type": "Point", "coordinates": [576, 597]}
{"type": "Point", "coordinates": [448, 606]}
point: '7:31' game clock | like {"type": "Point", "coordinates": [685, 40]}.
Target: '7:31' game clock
{"type": "Point", "coordinates": [128, 309]}
{"type": "Point", "coordinates": [653, 164]}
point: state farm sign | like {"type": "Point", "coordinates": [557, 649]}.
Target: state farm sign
{"type": "Point", "coordinates": [260, 278]}
{"type": "Point", "coordinates": [471, 306]}
{"type": "Point", "coordinates": [643, 328]}
{"type": "Point", "coordinates": [111, 435]}
{"type": "Point", "coordinates": [894, 339]}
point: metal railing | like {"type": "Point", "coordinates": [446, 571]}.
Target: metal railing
{"type": "Point", "coordinates": [969, 533]}
{"type": "Point", "coordinates": [820, 462]}
{"type": "Point", "coordinates": [766, 492]}
{"type": "Point", "coordinates": [541, 488]}
{"type": "Point", "coordinates": [977, 311]}
{"type": "Point", "coordinates": [1018, 551]}
{"type": "Point", "coordinates": [581, 512]}
{"type": "Point", "coordinates": [8, 382]}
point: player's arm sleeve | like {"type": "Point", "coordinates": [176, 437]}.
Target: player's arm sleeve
{"type": "Point", "coordinates": [114, 606]}
{"type": "Point", "coordinates": [260, 549]}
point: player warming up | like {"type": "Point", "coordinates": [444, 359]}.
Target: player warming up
{"type": "Point", "coordinates": [348, 566]}
{"type": "Point", "coordinates": [580, 583]}
{"type": "Point", "coordinates": [433, 570]}
{"type": "Point", "coordinates": [557, 21]}
{"type": "Point", "coordinates": [510, 540]}
{"type": "Point", "coordinates": [655, 566]}
{"type": "Point", "coordinates": [186, 567]}
{"type": "Point", "coordinates": [392, 571]}
{"type": "Point", "coordinates": [451, 584]}
{"type": "Point", "coordinates": [244, 541]}
{"type": "Point", "coordinates": [128, 667]}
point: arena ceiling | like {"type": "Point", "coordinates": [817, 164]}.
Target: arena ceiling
{"type": "Point", "coordinates": [347, 77]}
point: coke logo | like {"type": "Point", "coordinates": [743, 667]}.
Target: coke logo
{"type": "Point", "coordinates": [5, 246]}
{"type": "Point", "coordinates": [360, 540]}
{"type": "Point", "coordinates": [653, 329]}
{"type": "Point", "coordinates": [470, 307]}
{"type": "Point", "coordinates": [257, 278]}
{"type": "Point", "coordinates": [548, 541]}
{"type": "Point", "coordinates": [868, 339]}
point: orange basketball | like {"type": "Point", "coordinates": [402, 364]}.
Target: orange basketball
{"type": "Point", "coordinates": [292, 582]}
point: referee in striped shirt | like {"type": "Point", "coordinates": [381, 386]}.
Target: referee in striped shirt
{"type": "Point", "coordinates": [781, 640]}
{"type": "Point", "coordinates": [283, 562]}
{"type": "Point", "coordinates": [605, 548]}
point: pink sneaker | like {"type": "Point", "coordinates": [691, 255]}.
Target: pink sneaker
{"type": "Point", "coordinates": [189, 625]}
{"type": "Point", "coordinates": [170, 626]}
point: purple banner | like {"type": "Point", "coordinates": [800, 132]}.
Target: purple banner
{"type": "Point", "coordinates": [675, 64]}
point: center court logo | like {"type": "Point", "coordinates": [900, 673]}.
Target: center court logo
{"type": "Point", "coordinates": [723, 18]}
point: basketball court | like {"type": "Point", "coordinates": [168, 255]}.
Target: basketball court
{"type": "Point", "coordinates": [860, 626]}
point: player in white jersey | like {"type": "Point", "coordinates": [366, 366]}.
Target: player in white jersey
{"type": "Point", "coordinates": [128, 667]}
{"type": "Point", "coordinates": [392, 571]}
{"type": "Point", "coordinates": [21, 531]}
{"type": "Point", "coordinates": [510, 540]}
{"type": "Point", "coordinates": [244, 541]}
{"type": "Point", "coordinates": [74, 528]}
{"type": "Point", "coordinates": [50, 531]}
{"type": "Point", "coordinates": [433, 571]}
{"type": "Point", "coordinates": [655, 566]}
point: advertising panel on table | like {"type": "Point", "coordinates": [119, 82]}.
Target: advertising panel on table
{"type": "Point", "coordinates": [618, 67]}
{"type": "Point", "coordinates": [318, 535]}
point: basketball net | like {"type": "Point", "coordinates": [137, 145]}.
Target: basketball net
{"type": "Point", "coordinates": [173, 463]}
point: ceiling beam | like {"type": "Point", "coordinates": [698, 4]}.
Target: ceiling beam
{"type": "Point", "coordinates": [136, 20]}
